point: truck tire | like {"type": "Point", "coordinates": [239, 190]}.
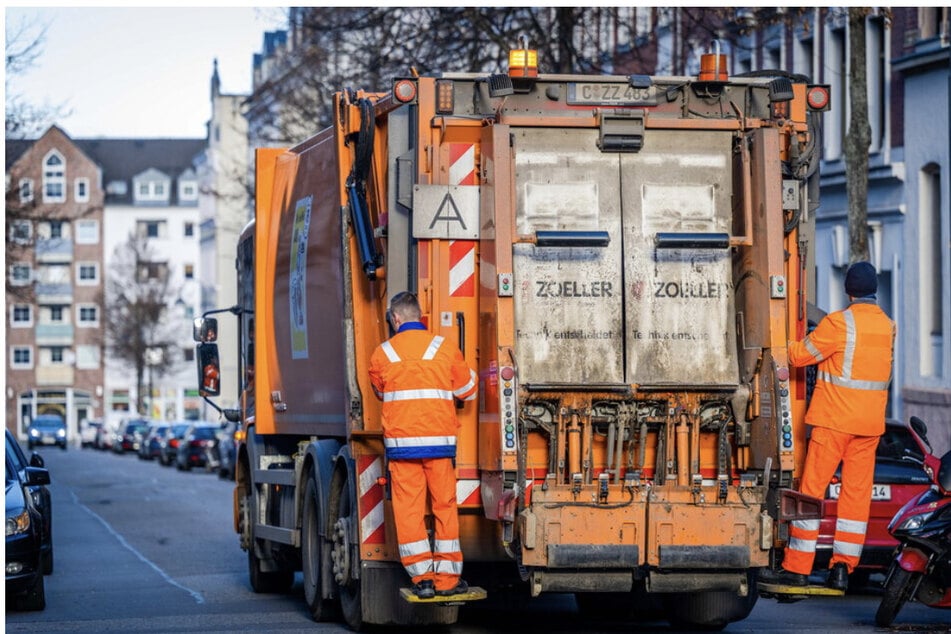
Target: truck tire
{"type": "Point", "coordinates": [711, 610]}
{"type": "Point", "coordinates": [276, 581]}
{"type": "Point", "coordinates": [314, 556]}
{"type": "Point", "coordinates": [349, 589]}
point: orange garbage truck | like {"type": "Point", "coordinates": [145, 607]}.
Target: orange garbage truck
{"type": "Point", "coordinates": [622, 259]}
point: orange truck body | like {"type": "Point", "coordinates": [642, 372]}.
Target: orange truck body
{"type": "Point", "coordinates": [621, 259]}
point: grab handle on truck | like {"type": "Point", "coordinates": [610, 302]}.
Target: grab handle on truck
{"type": "Point", "coordinates": [571, 239]}
{"type": "Point", "coordinates": [692, 240]}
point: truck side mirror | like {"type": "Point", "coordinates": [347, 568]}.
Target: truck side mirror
{"type": "Point", "coordinates": [209, 370]}
{"type": "Point", "coordinates": [205, 329]}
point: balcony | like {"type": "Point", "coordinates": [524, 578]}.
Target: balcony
{"type": "Point", "coordinates": [54, 334]}
{"type": "Point", "coordinates": [47, 293]}
{"type": "Point", "coordinates": [54, 375]}
{"type": "Point", "coordinates": [54, 250]}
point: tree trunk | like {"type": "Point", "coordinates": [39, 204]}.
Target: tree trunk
{"type": "Point", "coordinates": [858, 139]}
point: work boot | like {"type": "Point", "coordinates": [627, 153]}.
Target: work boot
{"type": "Point", "coordinates": [461, 588]}
{"type": "Point", "coordinates": [838, 577]}
{"type": "Point", "coordinates": [425, 589]}
{"type": "Point", "coordinates": [782, 577]}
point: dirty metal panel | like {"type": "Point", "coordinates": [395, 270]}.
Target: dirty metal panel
{"type": "Point", "coordinates": [568, 300]}
{"type": "Point", "coordinates": [680, 306]}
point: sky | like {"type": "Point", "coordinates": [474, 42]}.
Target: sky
{"type": "Point", "coordinates": [139, 72]}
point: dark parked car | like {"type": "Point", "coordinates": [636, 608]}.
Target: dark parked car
{"type": "Point", "coordinates": [151, 446]}
{"type": "Point", "coordinates": [899, 476]}
{"type": "Point", "coordinates": [227, 449]}
{"type": "Point", "coordinates": [130, 435]}
{"type": "Point", "coordinates": [47, 429]}
{"type": "Point", "coordinates": [39, 493]}
{"type": "Point", "coordinates": [197, 444]}
{"type": "Point", "coordinates": [24, 552]}
{"type": "Point", "coordinates": [170, 442]}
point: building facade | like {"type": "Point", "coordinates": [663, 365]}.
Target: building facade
{"type": "Point", "coordinates": [54, 329]}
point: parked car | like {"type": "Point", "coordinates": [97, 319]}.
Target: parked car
{"type": "Point", "coordinates": [40, 495]}
{"type": "Point", "coordinates": [899, 476]}
{"type": "Point", "coordinates": [25, 587]}
{"type": "Point", "coordinates": [171, 440]}
{"type": "Point", "coordinates": [89, 432]}
{"type": "Point", "coordinates": [130, 435]}
{"type": "Point", "coordinates": [227, 449]}
{"type": "Point", "coordinates": [104, 437]}
{"type": "Point", "coordinates": [151, 446]}
{"type": "Point", "coordinates": [197, 443]}
{"type": "Point", "coordinates": [47, 429]}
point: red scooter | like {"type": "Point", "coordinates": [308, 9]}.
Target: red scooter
{"type": "Point", "coordinates": [921, 570]}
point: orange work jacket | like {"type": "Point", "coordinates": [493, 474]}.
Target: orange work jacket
{"type": "Point", "coordinates": [419, 376]}
{"type": "Point", "coordinates": [853, 348]}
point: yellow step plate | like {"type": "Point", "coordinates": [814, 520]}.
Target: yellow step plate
{"type": "Point", "coordinates": [474, 594]}
{"type": "Point", "coordinates": [780, 590]}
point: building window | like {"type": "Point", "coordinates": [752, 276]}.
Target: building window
{"type": "Point", "coordinates": [21, 231]}
{"type": "Point", "coordinates": [189, 229]}
{"type": "Point", "coordinates": [930, 264]}
{"type": "Point", "coordinates": [81, 190]}
{"type": "Point", "coordinates": [87, 232]}
{"type": "Point", "coordinates": [151, 229]}
{"type": "Point", "coordinates": [56, 354]}
{"type": "Point", "coordinates": [54, 178]}
{"type": "Point", "coordinates": [26, 190]}
{"type": "Point", "coordinates": [87, 357]}
{"type": "Point", "coordinates": [88, 315]}
{"type": "Point", "coordinates": [835, 63]}
{"type": "Point", "coordinates": [87, 273]}
{"type": "Point", "coordinates": [151, 187]}
{"type": "Point", "coordinates": [21, 315]}
{"type": "Point", "coordinates": [189, 271]}
{"type": "Point", "coordinates": [876, 68]}
{"type": "Point", "coordinates": [56, 228]}
{"type": "Point", "coordinates": [21, 274]}
{"type": "Point", "coordinates": [56, 314]}
{"type": "Point", "coordinates": [187, 191]}
{"type": "Point", "coordinates": [152, 271]}
{"type": "Point", "coordinates": [21, 357]}
{"type": "Point", "coordinates": [189, 353]}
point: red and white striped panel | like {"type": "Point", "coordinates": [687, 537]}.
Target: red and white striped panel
{"type": "Point", "coordinates": [462, 268]}
{"type": "Point", "coordinates": [462, 164]}
{"type": "Point", "coordinates": [369, 470]}
{"type": "Point", "coordinates": [467, 492]}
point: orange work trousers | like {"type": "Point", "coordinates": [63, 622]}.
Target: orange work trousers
{"type": "Point", "coordinates": [827, 448]}
{"type": "Point", "coordinates": [410, 480]}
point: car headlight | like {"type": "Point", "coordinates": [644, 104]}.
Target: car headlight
{"type": "Point", "coordinates": [61, 433]}
{"type": "Point", "coordinates": [34, 432]}
{"type": "Point", "coordinates": [18, 524]}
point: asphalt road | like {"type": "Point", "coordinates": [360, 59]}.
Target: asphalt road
{"type": "Point", "coordinates": [145, 548]}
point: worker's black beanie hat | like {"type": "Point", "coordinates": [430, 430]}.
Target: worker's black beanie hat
{"type": "Point", "coordinates": [861, 280]}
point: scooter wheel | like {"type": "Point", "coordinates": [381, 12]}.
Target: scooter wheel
{"type": "Point", "coordinates": [897, 593]}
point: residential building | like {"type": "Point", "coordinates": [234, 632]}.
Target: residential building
{"type": "Point", "coordinates": [70, 204]}
{"type": "Point", "coordinates": [224, 211]}
{"type": "Point", "coordinates": [54, 331]}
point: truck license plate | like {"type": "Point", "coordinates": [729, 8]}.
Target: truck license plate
{"type": "Point", "coordinates": [881, 492]}
{"type": "Point", "coordinates": [609, 94]}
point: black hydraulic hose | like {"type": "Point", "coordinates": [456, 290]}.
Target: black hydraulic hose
{"type": "Point", "coordinates": [370, 258]}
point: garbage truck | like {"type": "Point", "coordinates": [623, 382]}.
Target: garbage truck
{"type": "Point", "coordinates": [621, 259]}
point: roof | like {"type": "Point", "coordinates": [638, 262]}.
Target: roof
{"type": "Point", "coordinates": [122, 159]}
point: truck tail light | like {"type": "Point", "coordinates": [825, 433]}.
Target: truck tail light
{"type": "Point", "coordinates": [817, 97]}
{"type": "Point", "coordinates": [404, 90]}
{"type": "Point", "coordinates": [507, 408]}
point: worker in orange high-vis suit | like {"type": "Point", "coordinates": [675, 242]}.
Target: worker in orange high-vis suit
{"type": "Point", "coordinates": [853, 349]}
{"type": "Point", "coordinates": [419, 376]}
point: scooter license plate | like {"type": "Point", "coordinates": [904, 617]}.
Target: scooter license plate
{"type": "Point", "coordinates": [881, 492]}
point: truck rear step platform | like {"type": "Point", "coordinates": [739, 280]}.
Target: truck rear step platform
{"type": "Point", "coordinates": [475, 593]}
{"type": "Point", "coordinates": [794, 593]}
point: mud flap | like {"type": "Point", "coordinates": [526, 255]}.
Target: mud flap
{"type": "Point", "coordinates": [787, 593]}
{"type": "Point", "coordinates": [474, 594]}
